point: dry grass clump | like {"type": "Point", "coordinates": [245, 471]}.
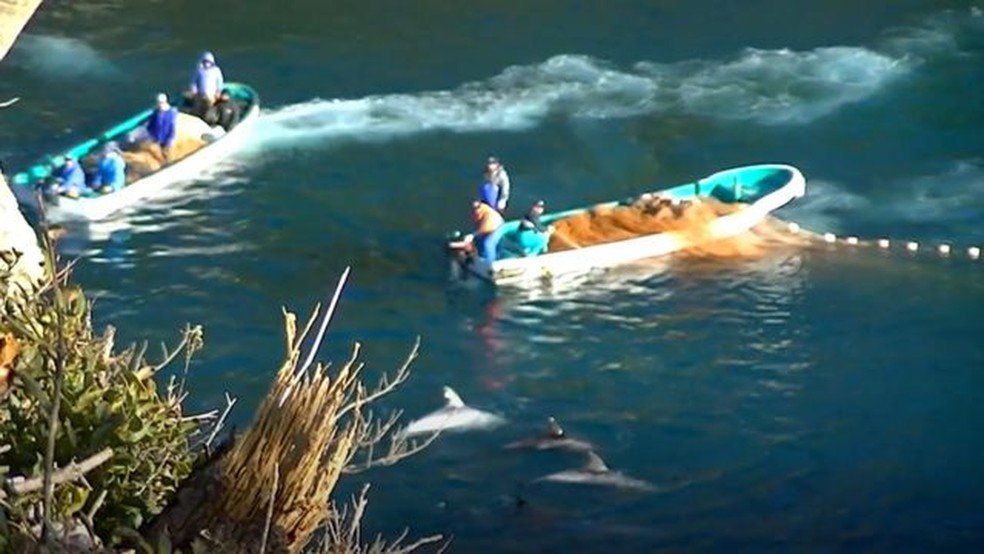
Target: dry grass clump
{"type": "Point", "coordinates": [271, 490]}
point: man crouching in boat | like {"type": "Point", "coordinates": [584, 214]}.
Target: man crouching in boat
{"type": "Point", "coordinates": [69, 179]}
{"type": "Point", "coordinates": [110, 174]}
{"type": "Point", "coordinates": [205, 88]}
{"type": "Point", "coordinates": [488, 230]}
{"type": "Point", "coordinates": [534, 236]}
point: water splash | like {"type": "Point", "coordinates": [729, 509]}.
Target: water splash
{"type": "Point", "coordinates": [826, 205]}
{"type": "Point", "coordinates": [950, 201]}
{"type": "Point", "coordinates": [953, 196]}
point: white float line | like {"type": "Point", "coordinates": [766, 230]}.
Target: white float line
{"type": "Point", "coordinates": [943, 249]}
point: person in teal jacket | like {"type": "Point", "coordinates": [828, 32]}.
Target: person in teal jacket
{"type": "Point", "coordinates": [111, 172]}
{"type": "Point", "coordinates": [534, 236]}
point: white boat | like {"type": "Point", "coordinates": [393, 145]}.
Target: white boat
{"type": "Point", "coordinates": [758, 189]}
{"type": "Point", "coordinates": [93, 206]}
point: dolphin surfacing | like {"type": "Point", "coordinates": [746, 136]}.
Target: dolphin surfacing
{"type": "Point", "coordinates": [454, 416]}
{"type": "Point", "coordinates": [596, 472]}
{"type": "Point", "coordinates": [553, 438]}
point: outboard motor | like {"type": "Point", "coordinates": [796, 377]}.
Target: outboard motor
{"type": "Point", "coordinates": [461, 251]}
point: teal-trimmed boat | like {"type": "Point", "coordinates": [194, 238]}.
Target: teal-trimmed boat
{"type": "Point", "coordinates": [759, 188]}
{"type": "Point", "coordinates": [92, 206]}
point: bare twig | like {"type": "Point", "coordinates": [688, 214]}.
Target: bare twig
{"type": "Point", "coordinates": [207, 416]}
{"type": "Point", "coordinates": [96, 505]}
{"type": "Point", "coordinates": [230, 402]}
{"type": "Point", "coordinates": [189, 344]}
{"type": "Point", "coordinates": [60, 354]}
{"type": "Point", "coordinates": [87, 517]}
{"type": "Point", "coordinates": [269, 514]}
{"type": "Point", "coordinates": [299, 372]}
{"type": "Point", "coordinates": [399, 449]}
{"type": "Point", "coordinates": [386, 384]}
{"type": "Point", "coordinates": [343, 532]}
{"type": "Point", "coordinates": [71, 472]}
{"type": "Point", "coordinates": [316, 345]}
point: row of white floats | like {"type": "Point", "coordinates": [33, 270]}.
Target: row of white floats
{"type": "Point", "coordinates": [973, 252]}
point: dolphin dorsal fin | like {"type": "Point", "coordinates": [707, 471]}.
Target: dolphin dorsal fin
{"type": "Point", "coordinates": [454, 401]}
{"type": "Point", "coordinates": [595, 464]}
{"type": "Point", "coordinates": [554, 430]}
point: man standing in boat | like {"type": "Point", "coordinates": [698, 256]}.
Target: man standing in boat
{"type": "Point", "coordinates": [496, 174]}
{"type": "Point", "coordinates": [206, 87]}
{"type": "Point", "coordinates": [488, 230]}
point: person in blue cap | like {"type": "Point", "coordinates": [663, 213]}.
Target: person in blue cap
{"type": "Point", "coordinates": [110, 174]}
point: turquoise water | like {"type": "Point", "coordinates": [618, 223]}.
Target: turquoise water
{"type": "Point", "coordinates": [816, 398]}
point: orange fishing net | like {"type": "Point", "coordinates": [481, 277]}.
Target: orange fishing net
{"type": "Point", "coordinates": [147, 157]}
{"type": "Point", "coordinates": [646, 216]}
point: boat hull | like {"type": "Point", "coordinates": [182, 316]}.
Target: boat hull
{"type": "Point", "coordinates": [94, 208]}
{"type": "Point", "coordinates": [588, 258]}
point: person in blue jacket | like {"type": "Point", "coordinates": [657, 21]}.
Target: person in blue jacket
{"type": "Point", "coordinates": [488, 194]}
{"type": "Point", "coordinates": [161, 127]}
{"type": "Point", "coordinates": [111, 172]}
{"type": "Point", "coordinates": [69, 178]}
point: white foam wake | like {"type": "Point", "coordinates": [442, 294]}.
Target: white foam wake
{"type": "Point", "coordinates": [60, 58]}
{"type": "Point", "coordinates": [954, 196]}
{"type": "Point", "coordinates": [767, 86]}
{"type": "Point", "coordinates": [952, 199]}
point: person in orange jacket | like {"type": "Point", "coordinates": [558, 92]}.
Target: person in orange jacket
{"type": "Point", "coordinates": [488, 230]}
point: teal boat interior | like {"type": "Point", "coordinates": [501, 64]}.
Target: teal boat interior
{"type": "Point", "coordinates": [39, 172]}
{"type": "Point", "coordinates": [739, 185]}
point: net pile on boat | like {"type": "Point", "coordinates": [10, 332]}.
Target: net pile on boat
{"type": "Point", "coordinates": [146, 157]}
{"type": "Point", "coordinates": [646, 216]}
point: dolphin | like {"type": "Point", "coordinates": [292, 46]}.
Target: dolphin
{"type": "Point", "coordinates": [454, 416]}
{"type": "Point", "coordinates": [595, 472]}
{"type": "Point", "coordinates": [553, 438]}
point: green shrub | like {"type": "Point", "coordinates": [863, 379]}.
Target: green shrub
{"type": "Point", "coordinates": [107, 401]}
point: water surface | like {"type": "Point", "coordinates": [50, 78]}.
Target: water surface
{"type": "Point", "coordinates": [817, 398]}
